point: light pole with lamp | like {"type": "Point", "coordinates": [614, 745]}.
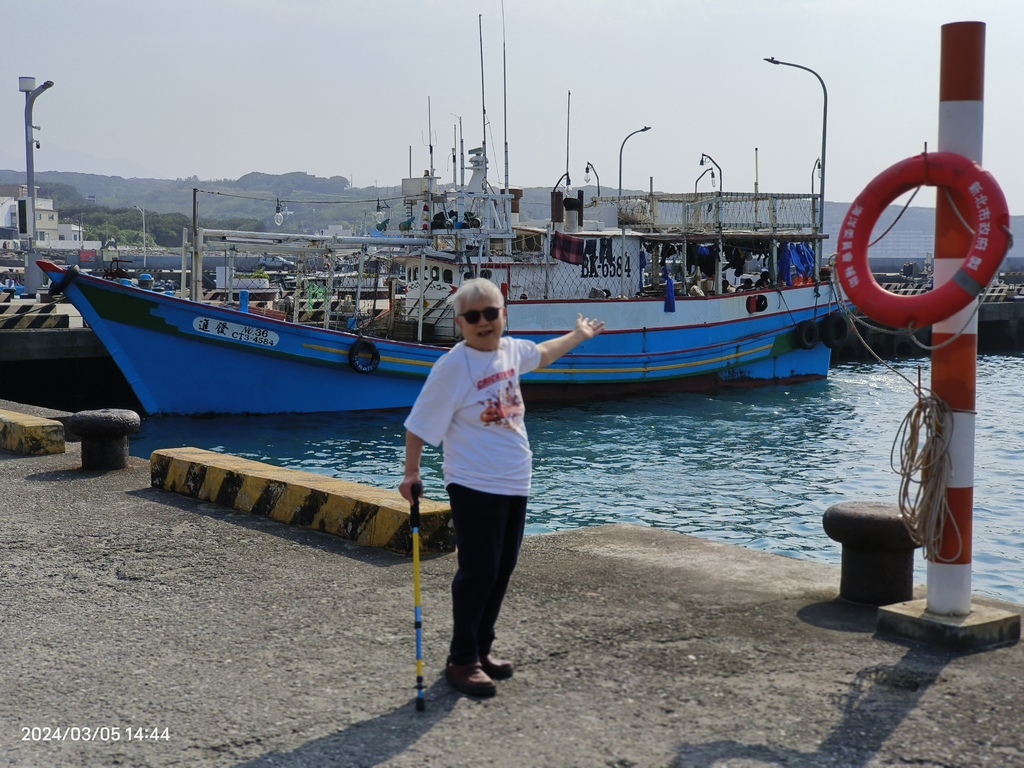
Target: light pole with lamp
{"type": "Point", "coordinates": [34, 278]}
{"type": "Point", "coordinates": [815, 169]}
{"type": "Point", "coordinates": [634, 133]}
{"type": "Point", "coordinates": [145, 249]}
{"type": "Point", "coordinates": [618, 206]}
{"type": "Point", "coordinates": [824, 130]}
{"type": "Point", "coordinates": [586, 176]}
{"type": "Point", "coordinates": [710, 159]}
{"type": "Point", "coordinates": [704, 173]}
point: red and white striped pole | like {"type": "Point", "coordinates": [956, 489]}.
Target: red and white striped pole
{"type": "Point", "coordinates": [954, 367]}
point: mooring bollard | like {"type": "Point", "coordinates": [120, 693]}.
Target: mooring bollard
{"type": "Point", "coordinates": [104, 436]}
{"type": "Point", "coordinates": [878, 553]}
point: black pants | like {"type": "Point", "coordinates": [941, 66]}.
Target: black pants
{"type": "Point", "coordinates": [488, 534]}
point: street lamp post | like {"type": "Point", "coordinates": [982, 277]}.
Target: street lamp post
{"type": "Point", "coordinates": [618, 208]}
{"type": "Point", "coordinates": [704, 173]}
{"type": "Point", "coordinates": [634, 133]}
{"type": "Point", "coordinates": [824, 129]}
{"type": "Point", "coordinates": [33, 275]}
{"type": "Point", "coordinates": [710, 159]}
{"type": "Point", "coordinates": [145, 248]}
{"type": "Point", "coordinates": [586, 176]}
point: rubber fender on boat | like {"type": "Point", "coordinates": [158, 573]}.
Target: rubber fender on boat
{"type": "Point", "coordinates": [364, 357]}
{"type": "Point", "coordinates": [67, 277]}
{"type": "Point", "coordinates": [757, 303]}
{"type": "Point", "coordinates": [806, 334]}
{"type": "Point", "coordinates": [834, 330]}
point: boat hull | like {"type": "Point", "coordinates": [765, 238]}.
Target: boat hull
{"type": "Point", "coordinates": [182, 357]}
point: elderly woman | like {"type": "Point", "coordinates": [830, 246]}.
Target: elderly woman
{"type": "Point", "coordinates": [472, 404]}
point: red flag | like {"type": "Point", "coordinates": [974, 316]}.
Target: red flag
{"type": "Point", "coordinates": [566, 248]}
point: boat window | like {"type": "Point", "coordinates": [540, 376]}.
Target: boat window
{"type": "Point", "coordinates": [435, 273]}
{"type": "Point", "coordinates": [486, 273]}
{"type": "Point", "coordinates": [448, 276]}
{"type": "Point", "coordinates": [415, 273]}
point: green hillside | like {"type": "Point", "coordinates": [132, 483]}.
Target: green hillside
{"type": "Point", "coordinates": [105, 205]}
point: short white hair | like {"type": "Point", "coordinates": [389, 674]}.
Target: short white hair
{"type": "Point", "coordinates": [472, 290]}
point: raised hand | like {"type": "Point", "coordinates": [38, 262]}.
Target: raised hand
{"type": "Point", "coordinates": [587, 327]}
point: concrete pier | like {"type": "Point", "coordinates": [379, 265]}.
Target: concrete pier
{"type": "Point", "coordinates": [181, 632]}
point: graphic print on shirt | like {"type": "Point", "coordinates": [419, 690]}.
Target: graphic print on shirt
{"type": "Point", "coordinates": [503, 404]}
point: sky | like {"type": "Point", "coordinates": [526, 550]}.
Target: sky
{"type": "Point", "coordinates": [361, 89]}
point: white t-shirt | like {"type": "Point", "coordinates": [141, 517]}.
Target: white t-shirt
{"type": "Point", "coordinates": [472, 403]}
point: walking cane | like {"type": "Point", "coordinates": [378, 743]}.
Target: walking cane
{"type": "Point", "coordinates": [414, 524]}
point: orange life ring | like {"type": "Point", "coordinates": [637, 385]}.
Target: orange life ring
{"type": "Point", "coordinates": [978, 198]}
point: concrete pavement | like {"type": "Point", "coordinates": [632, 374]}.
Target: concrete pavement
{"type": "Point", "coordinates": [185, 634]}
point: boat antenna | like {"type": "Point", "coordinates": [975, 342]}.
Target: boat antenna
{"type": "Point", "coordinates": [430, 138]}
{"type": "Point", "coordinates": [483, 100]}
{"type": "Point", "coordinates": [462, 153]}
{"type": "Point", "coordinates": [504, 86]}
{"type": "Point", "coordinates": [568, 112]}
{"type": "Point", "coordinates": [455, 156]}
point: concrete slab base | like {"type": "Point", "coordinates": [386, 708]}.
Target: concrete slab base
{"type": "Point", "coordinates": [30, 435]}
{"type": "Point", "coordinates": [369, 516]}
{"type": "Point", "coordinates": [983, 627]}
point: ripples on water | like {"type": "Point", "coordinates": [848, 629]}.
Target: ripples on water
{"type": "Point", "coordinates": [756, 468]}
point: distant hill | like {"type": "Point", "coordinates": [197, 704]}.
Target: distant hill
{"type": "Point", "coordinates": [312, 203]}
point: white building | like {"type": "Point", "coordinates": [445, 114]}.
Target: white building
{"type": "Point", "coordinates": [70, 233]}
{"type": "Point", "coordinates": [47, 219]}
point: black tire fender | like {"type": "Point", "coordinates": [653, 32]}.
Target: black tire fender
{"type": "Point", "coordinates": [806, 334]}
{"type": "Point", "coordinates": [363, 356]}
{"type": "Point", "coordinates": [835, 330]}
{"type": "Point", "coordinates": [70, 274]}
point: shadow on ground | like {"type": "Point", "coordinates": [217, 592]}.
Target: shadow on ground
{"type": "Point", "coordinates": [369, 742]}
{"type": "Point", "coordinates": [874, 705]}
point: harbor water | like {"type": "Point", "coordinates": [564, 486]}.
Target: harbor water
{"type": "Point", "coordinates": [755, 468]}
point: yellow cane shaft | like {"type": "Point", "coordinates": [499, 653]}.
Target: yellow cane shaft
{"type": "Point", "coordinates": [416, 568]}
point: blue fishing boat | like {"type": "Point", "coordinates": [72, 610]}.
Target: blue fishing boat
{"type": "Point", "coordinates": [698, 292]}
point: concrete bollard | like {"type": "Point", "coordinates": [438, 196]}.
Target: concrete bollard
{"type": "Point", "coordinates": [878, 553]}
{"type": "Point", "coordinates": [104, 436]}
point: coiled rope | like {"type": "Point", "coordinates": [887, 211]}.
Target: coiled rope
{"type": "Point", "coordinates": [925, 468]}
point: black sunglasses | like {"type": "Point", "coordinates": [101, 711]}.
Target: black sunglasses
{"type": "Point", "coordinates": [473, 316]}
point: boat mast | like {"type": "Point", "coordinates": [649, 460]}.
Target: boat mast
{"type": "Point", "coordinates": [506, 206]}
{"type": "Point", "coordinates": [483, 102]}
{"type": "Point", "coordinates": [485, 213]}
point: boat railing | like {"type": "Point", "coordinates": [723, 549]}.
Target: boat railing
{"type": "Point", "coordinates": [222, 239]}
{"type": "Point", "coordinates": [768, 213]}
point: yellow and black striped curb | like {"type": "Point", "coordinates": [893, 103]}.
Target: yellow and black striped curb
{"type": "Point", "coordinates": [368, 516]}
{"type": "Point", "coordinates": [29, 316]}
{"type": "Point", "coordinates": [30, 435]}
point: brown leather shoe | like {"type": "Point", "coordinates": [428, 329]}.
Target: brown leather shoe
{"type": "Point", "coordinates": [498, 669]}
{"type": "Point", "coordinates": [470, 679]}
